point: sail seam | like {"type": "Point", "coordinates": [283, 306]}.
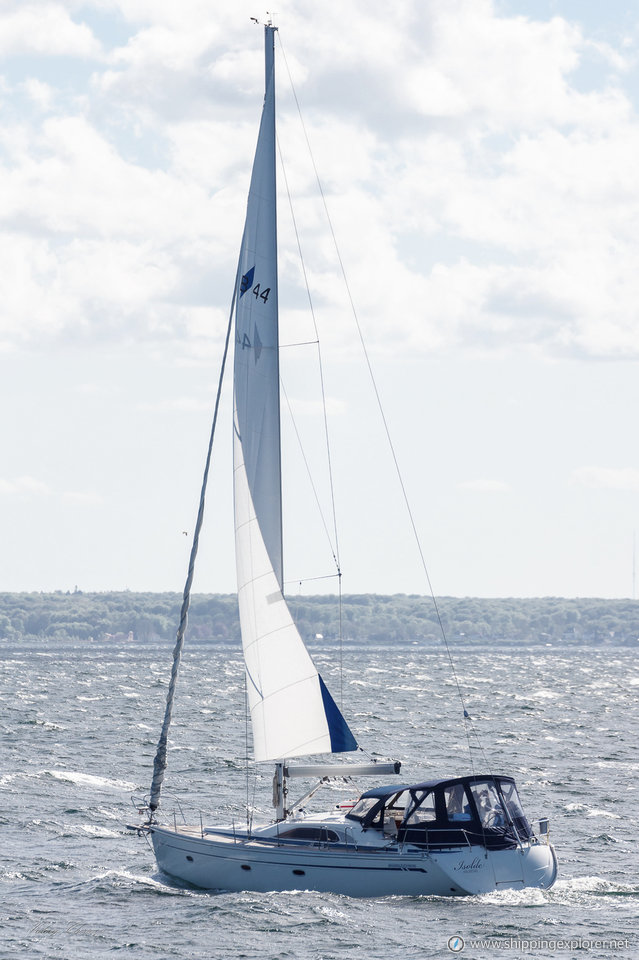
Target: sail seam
{"type": "Point", "coordinates": [303, 749]}
{"type": "Point", "coordinates": [289, 686]}
{"type": "Point", "coordinates": [272, 633]}
{"type": "Point", "coordinates": [258, 576]}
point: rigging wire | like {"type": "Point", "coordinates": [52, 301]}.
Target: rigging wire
{"type": "Point", "coordinates": [335, 549]}
{"type": "Point", "coordinates": [301, 580]}
{"type": "Point", "coordinates": [469, 726]}
{"type": "Point", "coordinates": [160, 761]}
{"type": "Point", "coordinates": [319, 359]}
{"type": "Point", "coordinates": [312, 482]}
{"type": "Point", "coordinates": [246, 751]}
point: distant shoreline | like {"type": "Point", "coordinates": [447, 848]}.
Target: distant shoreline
{"type": "Point", "coordinates": [365, 618]}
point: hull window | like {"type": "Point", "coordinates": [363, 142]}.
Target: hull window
{"type": "Point", "coordinates": [310, 834]}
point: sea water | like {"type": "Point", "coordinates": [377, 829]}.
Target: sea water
{"type": "Point", "coordinates": [79, 725]}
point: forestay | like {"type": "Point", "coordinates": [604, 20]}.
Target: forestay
{"type": "Point", "coordinates": [292, 712]}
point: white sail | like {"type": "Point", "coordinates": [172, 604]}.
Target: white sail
{"type": "Point", "coordinates": [292, 712]}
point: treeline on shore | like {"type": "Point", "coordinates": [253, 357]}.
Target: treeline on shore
{"type": "Point", "coordinates": [369, 618]}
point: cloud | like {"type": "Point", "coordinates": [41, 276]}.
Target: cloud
{"type": "Point", "coordinates": [533, 59]}
{"type": "Point", "coordinates": [481, 197]}
{"type": "Point", "coordinates": [41, 94]}
{"type": "Point", "coordinates": [93, 243]}
{"type": "Point", "coordinates": [23, 486]}
{"type": "Point", "coordinates": [606, 478]}
{"type": "Point", "coordinates": [67, 179]}
{"type": "Point", "coordinates": [45, 29]}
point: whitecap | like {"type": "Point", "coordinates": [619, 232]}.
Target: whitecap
{"type": "Point", "coordinates": [582, 885]}
{"type": "Point", "coordinates": [530, 897]}
{"type": "Point", "coordinates": [119, 876]}
{"type": "Point", "coordinates": [590, 811]}
{"type": "Point", "coordinates": [87, 779]}
{"type": "Point", "coordinates": [96, 831]}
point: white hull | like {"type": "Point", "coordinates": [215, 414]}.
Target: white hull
{"type": "Point", "coordinates": [219, 861]}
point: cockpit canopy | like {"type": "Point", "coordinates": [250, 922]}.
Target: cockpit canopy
{"type": "Point", "coordinates": [483, 809]}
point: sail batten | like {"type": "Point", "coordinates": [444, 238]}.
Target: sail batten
{"type": "Point", "coordinates": [292, 712]}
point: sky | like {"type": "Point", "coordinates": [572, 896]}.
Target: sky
{"type": "Point", "coordinates": [478, 163]}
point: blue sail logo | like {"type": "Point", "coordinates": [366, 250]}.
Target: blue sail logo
{"type": "Point", "coordinates": [247, 281]}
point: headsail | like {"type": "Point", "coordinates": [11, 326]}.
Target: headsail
{"type": "Point", "coordinates": [292, 711]}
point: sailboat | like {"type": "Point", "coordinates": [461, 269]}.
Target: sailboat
{"type": "Point", "coordinates": [456, 836]}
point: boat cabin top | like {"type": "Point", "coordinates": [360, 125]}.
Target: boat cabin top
{"type": "Point", "coordinates": [482, 809]}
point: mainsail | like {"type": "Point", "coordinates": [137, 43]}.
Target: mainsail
{"type": "Point", "coordinates": [292, 711]}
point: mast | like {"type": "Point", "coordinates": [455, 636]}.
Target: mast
{"type": "Point", "coordinates": [269, 86]}
{"type": "Point", "coordinates": [269, 55]}
{"type": "Point", "coordinates": [292, 712]}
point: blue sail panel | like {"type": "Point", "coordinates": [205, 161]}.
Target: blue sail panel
{"type": "Point", "coordinates": [339, 731]}
{"type": "Point", "coordinates": [246, 281]}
